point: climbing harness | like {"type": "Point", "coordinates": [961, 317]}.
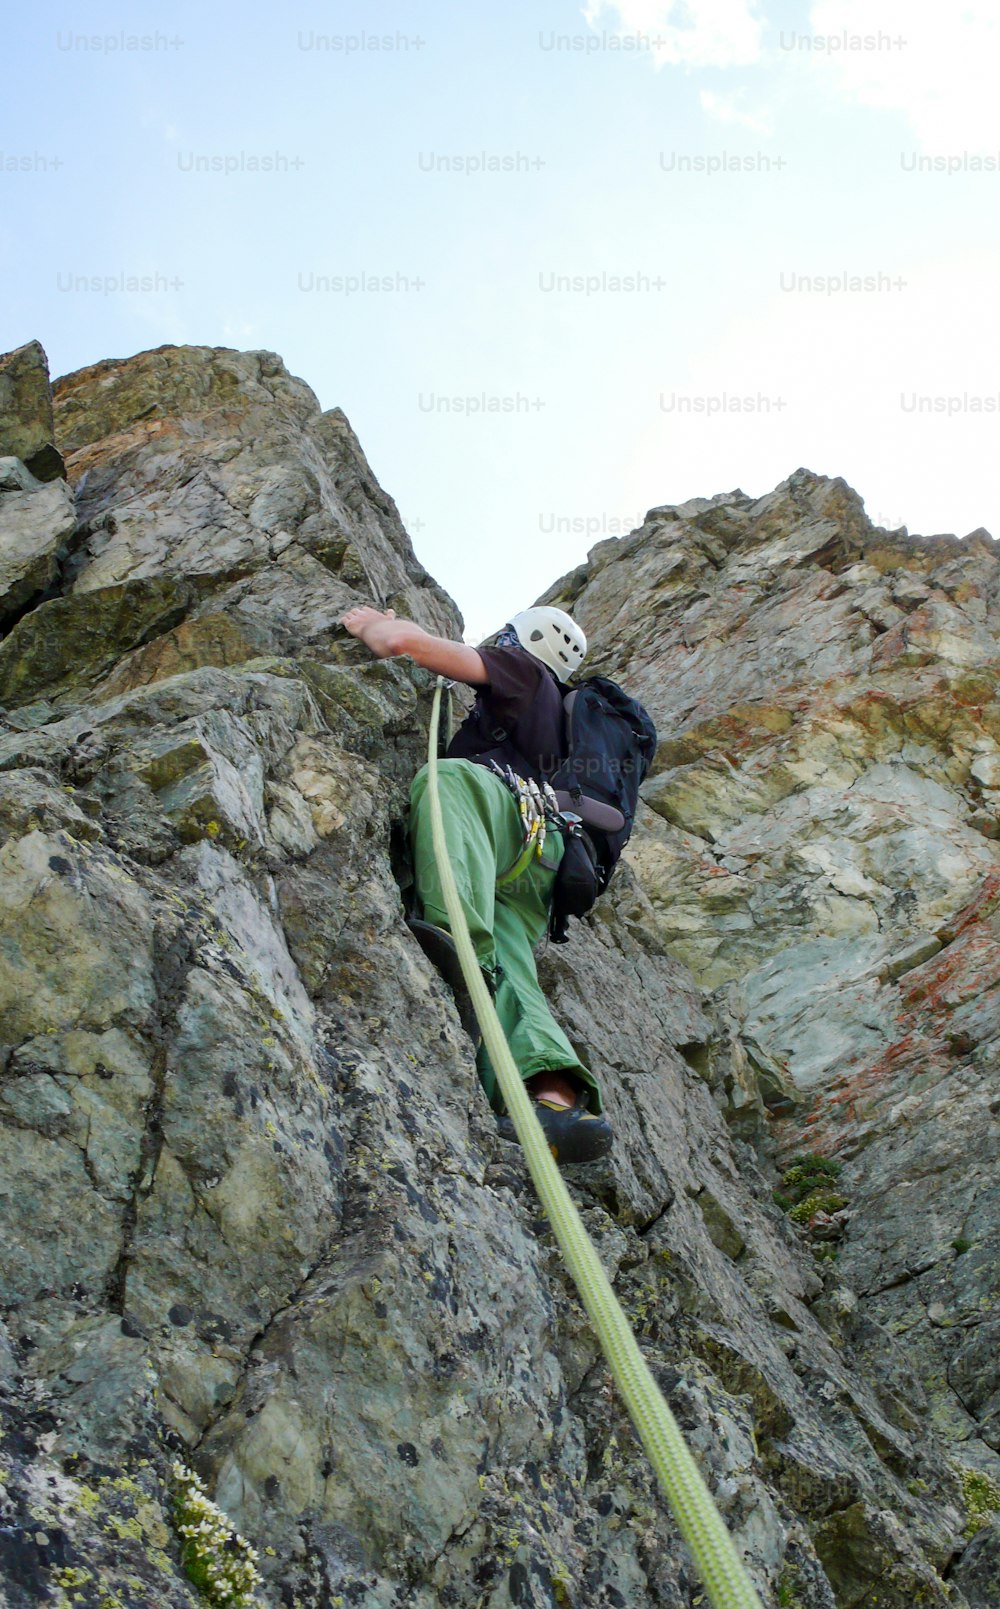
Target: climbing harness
{"type": "Point", "coordinates": [536, 805]}
{"type": "Point", "coordinates": [700, 1523]}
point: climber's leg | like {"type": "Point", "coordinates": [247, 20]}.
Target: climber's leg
{"type": "Point", "coordinates": [484, 837]}
{"type": "Point", "coordinates": [483, 833]}
{"type": "Point", "coordinates": [537, 1042]}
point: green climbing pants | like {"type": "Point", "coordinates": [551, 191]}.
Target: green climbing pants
{"type": "Point", "coordinates": [483, 829]}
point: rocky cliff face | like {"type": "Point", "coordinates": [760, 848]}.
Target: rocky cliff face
{"type": "Point", "coordinates": [257, 1223]}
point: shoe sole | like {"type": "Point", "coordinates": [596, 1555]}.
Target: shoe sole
{"type": "Point", "coordinates": [577, 1146]}
{"type": "Point", "coordinates": [439, 948]}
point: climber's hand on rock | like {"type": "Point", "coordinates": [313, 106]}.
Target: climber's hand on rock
{"type": "Point", "coordinates": [378, 629]}
{"type": "Point", "coordinates": [358, 618]}
{"type": "Point", "coordinates": [386, 636]}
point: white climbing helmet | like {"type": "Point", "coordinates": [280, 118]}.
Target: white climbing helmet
{"type": "Point", "coordinates": [552, 637]}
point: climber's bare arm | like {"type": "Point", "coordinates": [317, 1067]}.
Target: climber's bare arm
{"type": "Point", "coordinates": [386, 637]}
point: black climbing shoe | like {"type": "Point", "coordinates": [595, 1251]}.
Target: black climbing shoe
{"type": "Point", "coordinates": [573, 1133]}
{"type": "Point", "coordinates": [441, 950]}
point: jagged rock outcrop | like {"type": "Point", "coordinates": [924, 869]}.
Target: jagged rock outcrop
{"type": "Point", "coordinates": [820, 846]}
{"type": "Point", "coordinates": [26, 428]}
{"type": "Point", "coordinates": [256, 1214]}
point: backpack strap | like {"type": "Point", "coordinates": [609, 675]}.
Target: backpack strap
{"type": "Point", "coordinates": [591, 812]}
{"type": "Point", "coordinates": [490, 729]}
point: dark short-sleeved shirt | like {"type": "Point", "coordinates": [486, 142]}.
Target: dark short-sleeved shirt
{"type": "Point", "coordinates": [523, 699]}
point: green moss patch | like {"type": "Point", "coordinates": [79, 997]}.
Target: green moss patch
{"type": "Point", "coordinates": [807, 1176]}
{"type": "Point", "coordinates": [982, 1500]}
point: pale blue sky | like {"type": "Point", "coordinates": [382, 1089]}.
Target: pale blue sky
{"type": "Point", "coordinates": [599, 381]}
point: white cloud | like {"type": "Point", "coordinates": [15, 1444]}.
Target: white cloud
{"type": "Point", "coordinates": [936, 67]}
{"type": "Point", "coordinates": [235, 329]}
{"type": "Point", "coordinates": [942, 79]}
{"type": "Point", "coordinates": [733, 109]}
{"type": "Point", "coordinates": [153, 117]}
{"type": "Point", "coordinates": [689, 33]}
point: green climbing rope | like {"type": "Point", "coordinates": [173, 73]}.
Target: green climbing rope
{"type": "Point", "coordinates": [699, 1521]}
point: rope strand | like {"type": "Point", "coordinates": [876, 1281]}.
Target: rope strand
{"type": "Point", "coordinates": [699, 1521]}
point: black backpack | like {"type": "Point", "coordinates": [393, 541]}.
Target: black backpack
{"type": "Point", "coordinates": [611, 741]}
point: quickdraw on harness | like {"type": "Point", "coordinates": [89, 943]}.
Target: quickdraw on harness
{"type": "Point", "coordinates": [537, 806]}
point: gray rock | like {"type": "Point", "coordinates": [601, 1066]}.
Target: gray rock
{"type": "Point", "coordinates": [977, 1573]}
{"type": "Point", "coordinates": [26, 430]}
{"type": "Point", "coordinates": [36, 525]}
{"type": "Point", "coordinates": [256, 1213]}
{"type": "Point", "coordinates": [14, 477]}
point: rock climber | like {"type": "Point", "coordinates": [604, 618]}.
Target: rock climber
{"type": "Point", "coordinates": [518, 723]}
